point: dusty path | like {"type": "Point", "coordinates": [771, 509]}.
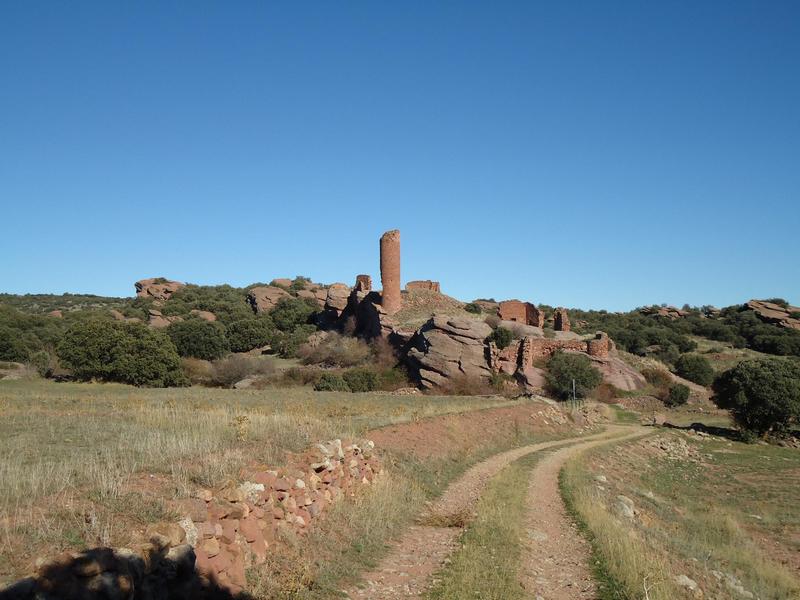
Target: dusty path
{"type": "Point", "coordinates": [555, 562]}
{"type": "Point", "coordinates": [408, 569]}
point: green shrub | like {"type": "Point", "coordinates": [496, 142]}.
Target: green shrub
{"type": "Point", "coordinates": [361, 380]}
{"type": "Point", "coordinates": [11, 346]}
{"type": "Point", "coordinates": [124, 352]}
{"type": "Point", "coordinates": [197, 338]}
{"type": "Point", "coordinates": [248, 334]}
{"type": "Point", "coordinates": [695, 368]}
{"type": "Point", "coordinates": [331, 382]}
{"type": "Point", "coordinates": [473, 308]}
{"type": "Point", "coordinates": [42, 362]}
{"type": "Point", "coordinates": [678, 395]}
{"type": "Point", "coordinates": [291, 313]}
{"type": "Point", "coordinates": [502, 337]}
{"type": "Point", "coordinates": [762, 395]}
{"type": "Point", "coordinates": [287, 344]}
{"type": "Point", "coordinates": [779, 301]}
{"type": "Point", "coordinates": [227, 371]}
{"type": "Point", "coordinates": [795, 314]}
{"type": "Point", "coordinates": [564, 368]}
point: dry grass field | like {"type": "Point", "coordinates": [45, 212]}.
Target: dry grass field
{"type": "Point", "coordinates": [721, 513]}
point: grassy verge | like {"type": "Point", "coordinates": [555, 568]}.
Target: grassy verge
{"type": "Point", "coordinates": [86, 464]}
{"type": "Point", "coordinates": [355, 536]}
{"type": "Point", "coordinates": [486, 564]}
{"type": "Point", "coordinates": [724, 514]}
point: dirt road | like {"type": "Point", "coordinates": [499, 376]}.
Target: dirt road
{"type": "Point", "coordinates": [409, 568]}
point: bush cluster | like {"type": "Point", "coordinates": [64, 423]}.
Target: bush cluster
{"type": "Point", "coordinates": [695, 368]}
{"type": "Point", "coordinates": [502, 337]}
{"type": "Point", "coordinates": [763, 395]}
{"type": "Point", "coordinates": [563, 368]}
{"type": "Point", "coordinates": [124, 352]}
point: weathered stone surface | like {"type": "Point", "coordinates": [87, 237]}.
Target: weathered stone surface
{"type": "Point", "coordinates": [157, 320]}
{"type": "Point", "coordinates": [363, 283]}
{"type": "Point", "coordinates": [265, 298]}
{"type": "Point", "coordinates": [669, 312]}
{"type": "Point", "coordinates": [424, 285]}
{"type": "Point", "coordinates": [520, 312]}
{"type": "Point", "coordinates": [283, 282]}
{"type": "Point", "coordinates": [157, 288]}
{"type": "Point", "coordinates": [447, 347]}
{"type": "Point", "coordinates": [561, 320]}
{"type": "Point", "coordinates": [620, 374]}
{"type": "Point", "coordinates": [769, 312]}
{"type": "Point", "coordinates": [521, 329]}
{"type": "Point", "coordinates": [337, 298]}
{"type": "Point", "coordinates": [391, 299]}
{"type": "Point", "coordinates": [204, 314]}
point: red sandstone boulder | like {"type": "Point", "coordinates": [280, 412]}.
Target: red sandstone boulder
{"type": "Point", "coordinates": [769, 312]}
{"type": "Point", "coordinates": [620, 374]}
{"type": "Point", "coordinates": [266, 297]}
{"type": "Point", "coordinates": [159, 321]}
{"type": "Point", "coordinates": [669, 312]}
{"type": "Point", "coordinates": [204, 314]}
{"type": "Point", "coordinates": [337, 298]}
{"type": "Point", "coordinates": [157, 288]}
{"type": "Point", "coordinates": [450, 347]}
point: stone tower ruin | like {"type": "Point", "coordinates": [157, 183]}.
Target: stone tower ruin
{"type": "Point", "coordinates": [390, 271]}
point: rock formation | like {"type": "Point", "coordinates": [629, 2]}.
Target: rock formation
{"type": "Point", "coordinates": [266, 297]}
{"type": "Point", "coordinates": [157, 320]}
{"type": "Point", "coordinates": [424, 285]}
{"type": "Point", "coordinates": [391, 298]}
{"type": "Point", "coordinates": [669, 312]}
{"type": "Point", "coordinates": [769, 312]}
{"type": "Point", "coordinates": [561, 319]}
{"type": "Point", "coordinates": [445, 348]}
{"type": "Point", "coordinates": [157, 288]}
{"type": "Point", "coordinates": [203, 314]}
{"type": "Point", "coordinates": [337, 298]}
{"type": "Point", "coordinates": [521, 312]}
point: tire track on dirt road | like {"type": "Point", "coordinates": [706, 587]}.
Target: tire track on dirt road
{"type": "Point", "coordinates": [406, 572]}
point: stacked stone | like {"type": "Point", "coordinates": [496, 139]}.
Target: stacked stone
{"type": "Point", "coordinates": [219, 535]}
{"type": "Point", "coordinates": [561, 320]}
{"type": "Point", "coordinates": [235, 527]}
{"type": "Point", "coordinates": [425, 285]}
{"type": "Point", "coordinates": [391, 298]}
{"type": "Point", "coordinates": [599, 346]}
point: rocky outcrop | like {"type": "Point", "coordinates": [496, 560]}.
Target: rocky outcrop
{"type": "Point", "coordinates": [266, 297]}
{"type": "Point", "coordinates": [620, 374]}
{"type": "Point", "coordinates": [338, 295]}
{"type": "Point", "coordinates": [157, 288]}
{"type": "Point", "coordinates": [203, 314]}
{"type": "Point", "coordinates": [445, 348]}
{"type": "Point", "coordinates": [309, 295]}
{"type": "Point", "coordinates": [363, 283]}
{"type": "Point", "coordinates": [668, 312]}
{"type": "Point", "coordinates": [157, 320]}
{"type": "Point", "coordinates": [769, 312]}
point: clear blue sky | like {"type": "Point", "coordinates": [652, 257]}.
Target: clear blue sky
{"type": "Point", "coordinates": [593, 154]}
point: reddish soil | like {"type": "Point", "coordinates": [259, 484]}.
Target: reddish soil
{"type": "Point", "coordinates": [462, 432]}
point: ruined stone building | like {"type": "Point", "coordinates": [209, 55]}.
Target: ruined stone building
{"type": "Point", "coordinates": [520, 312]}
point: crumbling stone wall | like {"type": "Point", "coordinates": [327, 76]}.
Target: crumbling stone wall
{"type": "Point", "coordinates": [219, 535]}
{"type": "Point", "coordinates": [600, 346]}
{"type": "Point", "coordinates": [425, 285]}
{"type": "Point", "coordinates": [561, 319]}
{"type": "Point", "coordinates": [391, 298]}
{"type": "Point", "coordinates": [521, 312]}
{"type": "Point", "coordinates": [363, 283]}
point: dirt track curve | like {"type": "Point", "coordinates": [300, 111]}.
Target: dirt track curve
{"type": "Point", "coordinates": [407, 571]}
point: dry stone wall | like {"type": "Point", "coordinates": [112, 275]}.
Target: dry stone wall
{"type": "Point", "coordinates": [425, 285]}
{"type": "Point", "coordinates": [220, 533]}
